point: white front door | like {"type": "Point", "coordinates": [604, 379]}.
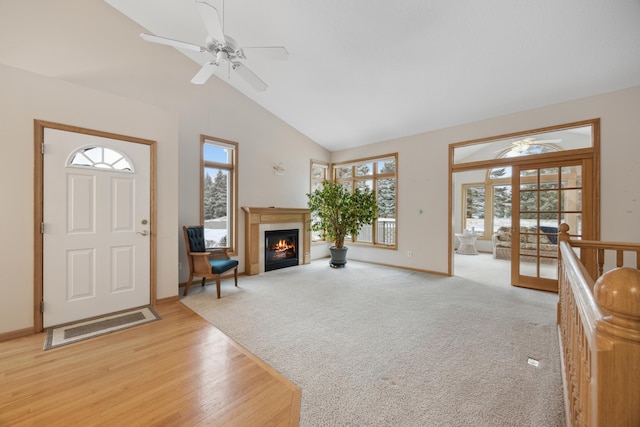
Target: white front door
{"type": "Point", "coordinates": [96, 213]}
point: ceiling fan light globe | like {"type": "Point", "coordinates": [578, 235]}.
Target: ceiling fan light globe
{"type": "Point", "coordinates": [221, 56]}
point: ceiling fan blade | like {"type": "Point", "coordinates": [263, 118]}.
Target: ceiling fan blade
{"type": "Point", "coordinates": [271, 52]}
{"type": "Point", "coordinates": [249, 77]}
{"type": "Point", "coordinates": [171, 42]}
{"type": "Point", "coordinates": [205, 72]}
{"type": "Point", "coordinates": [211, 19]}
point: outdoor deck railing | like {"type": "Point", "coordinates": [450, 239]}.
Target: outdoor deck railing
{"type": "Point", "coordinates": [385, 232]}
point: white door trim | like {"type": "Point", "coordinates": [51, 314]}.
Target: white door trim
{"type": "Point", "coordinates": [39, 127]}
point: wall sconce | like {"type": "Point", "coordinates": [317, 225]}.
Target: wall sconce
{"type": "Point", "coordinates": [279, 169]}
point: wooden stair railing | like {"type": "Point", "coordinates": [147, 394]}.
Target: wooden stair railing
{"type": "Point", "coordinates": [592, 252]}
{"type": "Point", "coordinates": [599, 327]}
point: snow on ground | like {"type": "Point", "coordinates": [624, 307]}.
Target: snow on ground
{"type": "Point", "coordinates": [213, 236]}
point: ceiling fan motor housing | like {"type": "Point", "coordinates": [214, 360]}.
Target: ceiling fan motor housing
{"type": "Point", "coordinates": [224, 51]}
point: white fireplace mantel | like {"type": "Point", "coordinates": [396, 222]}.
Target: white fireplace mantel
{"type": "Point", "coordinates": [256, 216]}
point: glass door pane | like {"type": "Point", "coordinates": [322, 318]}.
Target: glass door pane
{"type": "Point", "coordinates": [502, 206]}
{"type": "Point", "coordinates": [547, 196]}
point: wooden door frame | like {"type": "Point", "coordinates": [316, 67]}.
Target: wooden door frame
{"type": "Point", "coordinates": [38, 203]}
{"type": "Point", "coordinates": [590, 157]}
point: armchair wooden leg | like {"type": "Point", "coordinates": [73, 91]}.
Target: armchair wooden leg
{"type": "Point", "coordinates": [186, 287]}
{"type": "Point", "coordinates": [218, 285]}
{"type": "Point", "coordinates": [235, 275]}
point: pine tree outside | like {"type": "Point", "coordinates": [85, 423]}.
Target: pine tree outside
{"type": "Point", "coordinates": [219, 207]}
{"type": "Point", "coordinates": [216, 201]}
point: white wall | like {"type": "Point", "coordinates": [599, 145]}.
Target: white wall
{"type": "Point", "coordinates": [25, 97]}
{"type": "Point", "coordinates": [423, 174]}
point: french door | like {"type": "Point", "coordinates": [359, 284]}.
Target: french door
{"type": "Point", "coordinates": [545, 196]}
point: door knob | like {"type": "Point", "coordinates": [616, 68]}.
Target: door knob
{"type": "Point", "coordinates": [143, 232]}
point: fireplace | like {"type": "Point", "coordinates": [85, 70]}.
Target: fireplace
{"type": "Point", "coordinates": [258, 220]}
{"type": "Point", "coordinates": [280, 249]}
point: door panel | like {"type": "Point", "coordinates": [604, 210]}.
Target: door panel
{"type": "Point", "coordinates": [96, 210]}
{"type": "Point", "coordinates": [81, 282]}
{"type": "Point", "coordinates": [546, 196]}
{"type": "Point", "coordinates": [123, 191]}
{"type": "Point", "coordinates": [81, 191]}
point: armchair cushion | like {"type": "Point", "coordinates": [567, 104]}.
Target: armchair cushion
{"type": "Point", "coordinates": [219, 266]}
{"type": "Point", "coordinates": [196, 239]}
{"type": "Point", "coordinates": [503, 235]}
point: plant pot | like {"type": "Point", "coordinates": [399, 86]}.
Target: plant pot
{"type": "Point", "coordinates": [338, 256]}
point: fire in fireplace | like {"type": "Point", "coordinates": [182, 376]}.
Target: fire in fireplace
{"type": "Point", "coordinates": [280, 249]}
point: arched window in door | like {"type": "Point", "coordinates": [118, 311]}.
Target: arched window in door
{"type": "Point", "coordinates": [101, 158]}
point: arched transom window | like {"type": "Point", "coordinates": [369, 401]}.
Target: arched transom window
{"type": "Point", "coordinates": [101, 158]}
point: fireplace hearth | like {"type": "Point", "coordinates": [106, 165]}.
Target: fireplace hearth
{"type": "Point", "coordinates": [280, 249]}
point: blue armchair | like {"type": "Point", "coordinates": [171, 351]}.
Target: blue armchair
{"type": "Point", "coordinates": [208, 264]}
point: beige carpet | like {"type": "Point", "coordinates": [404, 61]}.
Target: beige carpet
{"type": "Point", "coordinates": [377, 346]}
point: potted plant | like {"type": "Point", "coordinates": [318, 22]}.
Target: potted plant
{"type": "Point", "coordinates": [338, 213]}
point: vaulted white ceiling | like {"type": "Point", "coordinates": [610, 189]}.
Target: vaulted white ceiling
{"type": "Point", "coordinates": [363, 71]}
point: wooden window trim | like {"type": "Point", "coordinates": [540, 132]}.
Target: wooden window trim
{"type": "Point", "coordinates": [233, 192]}
{"type": "Point", "coordinates": [327, 169]}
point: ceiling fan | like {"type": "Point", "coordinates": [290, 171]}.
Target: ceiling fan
{"type": "Point", "coordinates": [222, 47]}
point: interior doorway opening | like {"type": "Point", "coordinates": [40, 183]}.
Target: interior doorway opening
{"type": "Point", "coordinates": [481, 207]}
{"type": "Point", "coordinates": [509, 195]}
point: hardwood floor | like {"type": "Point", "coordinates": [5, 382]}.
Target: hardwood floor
{"type": "Point", "coordinates": [177, 371]}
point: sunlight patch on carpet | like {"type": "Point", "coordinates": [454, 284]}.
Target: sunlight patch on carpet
{"type": "Point", "coordinates": [67, 334]}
